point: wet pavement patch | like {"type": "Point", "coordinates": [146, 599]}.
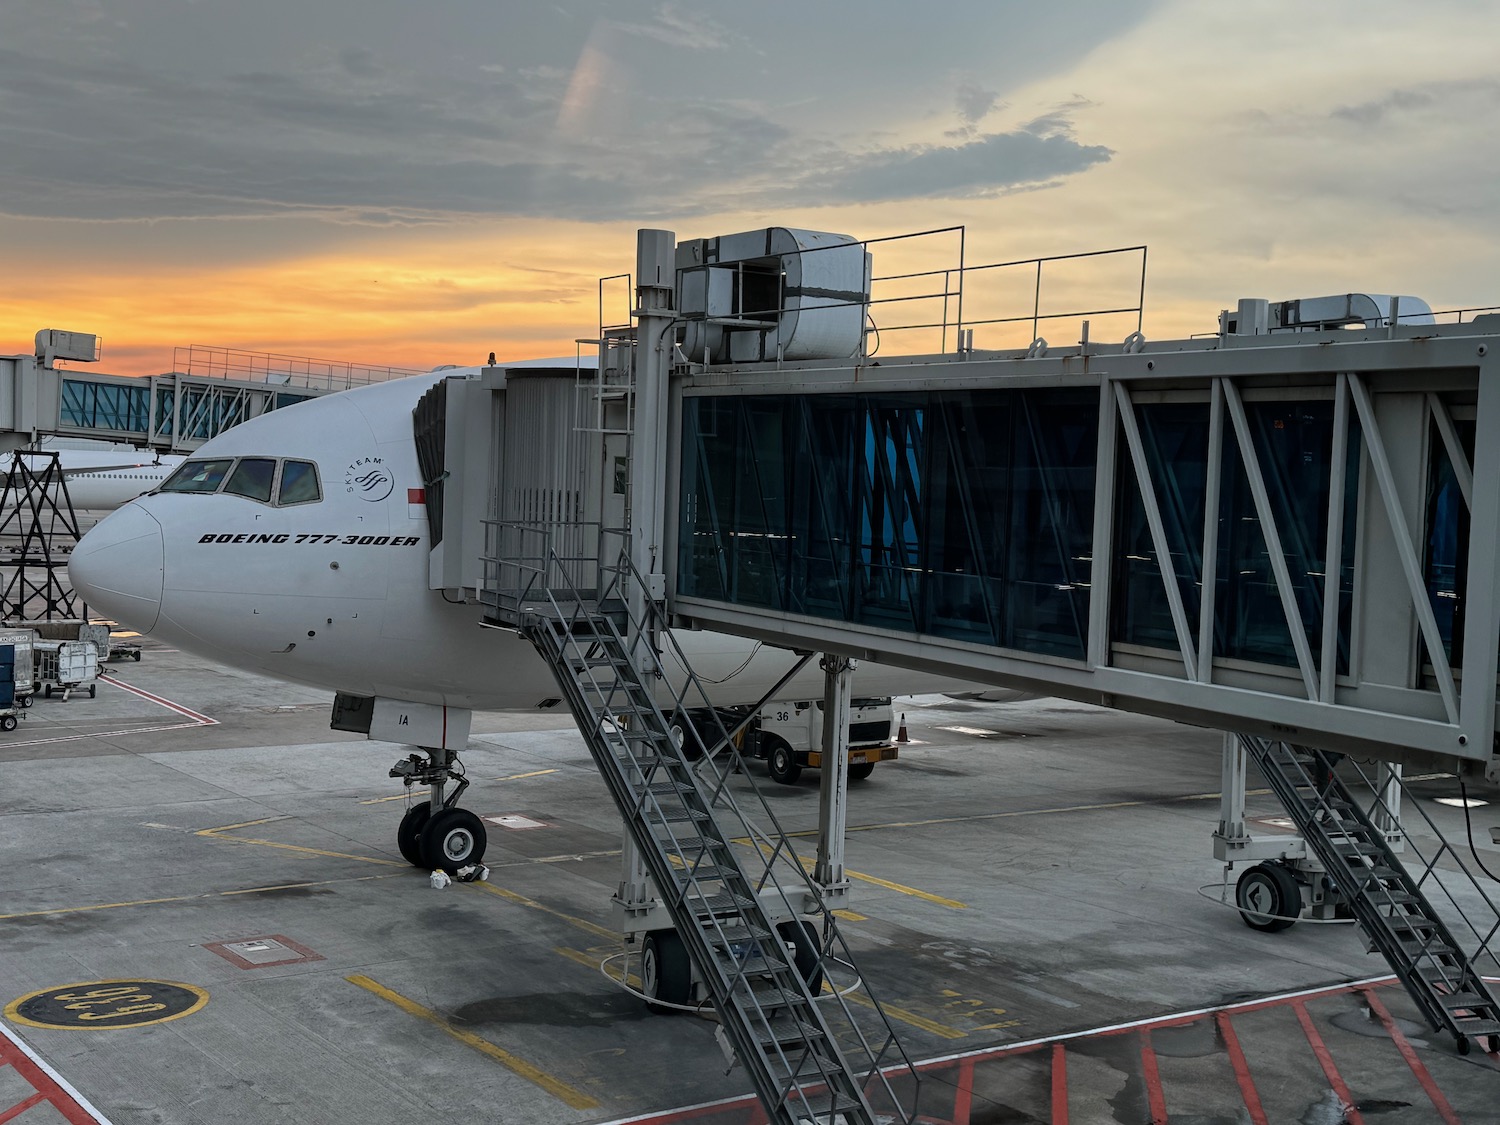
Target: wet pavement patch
{"type": "Point", "coordinates": [106, 1004]}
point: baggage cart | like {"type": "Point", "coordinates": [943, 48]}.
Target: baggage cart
{"type": "Point", "coordinates": [65, 666]}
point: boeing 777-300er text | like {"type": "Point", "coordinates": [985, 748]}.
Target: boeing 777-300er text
{"type": "Point", "coordinates": [296, 545]}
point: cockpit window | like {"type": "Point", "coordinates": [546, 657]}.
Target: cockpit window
{"type": "Point", "coordinates": [253, 477]}
{"type": "Point", "coordinates": [198, 476]}
{"type": "Point", "coordinates": [299, 483]}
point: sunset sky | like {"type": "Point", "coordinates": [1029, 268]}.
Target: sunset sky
{"type": "Point", "coordinates": [415, 184]}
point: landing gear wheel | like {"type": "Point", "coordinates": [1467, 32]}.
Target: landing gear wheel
{"type": "Point", "coordinates": [47, 691]}
{"type": "Point", "coordinates": [409, 833]}
{"type": "Point", "coordinates": [1270, 892]}
{"type": "Point", "coordinates": [7, 722]}
{"type": "Point", "coordinates": [781, 761]}
{"type": "Point", "coordinates": [802, 936]}
{"type": "Point", "coordinates": [685, 735]}
{"type": "Point", "coordinates": [452, 839]}
{"type": "Point", "coordinates": [666, 975]}
{"type": "Point", "coordinates": [858, 771]}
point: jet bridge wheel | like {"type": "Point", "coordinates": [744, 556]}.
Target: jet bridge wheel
{"type": "Point", "coordinates": [409, 834]}
{"type": "Point", "coordinates": [802, 936]}
{"type": "Point", "coordinates": [453, 838]}
{"type": "Point", "coordinates": [666, 973]}
{"type": "Point", "coordinates": [1268, 889]}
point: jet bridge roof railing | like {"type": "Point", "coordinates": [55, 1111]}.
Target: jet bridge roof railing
{"type": "Point", "coordinates": [1289, 535]}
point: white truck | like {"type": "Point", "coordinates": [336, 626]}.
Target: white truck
{"type": "Point", "coordinates": [788, 734]}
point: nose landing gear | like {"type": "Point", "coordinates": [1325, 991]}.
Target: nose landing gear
{"type": "Point", "coordinates": [436, 834]}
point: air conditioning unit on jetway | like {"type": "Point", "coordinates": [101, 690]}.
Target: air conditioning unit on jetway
{"type": "Point", "coordinates": [772, 294]}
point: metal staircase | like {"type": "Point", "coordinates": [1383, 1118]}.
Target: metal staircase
{"type": "Point", "coordinates": [770, 976]}
{"type": "Point", "coordinates": [1390, 904]}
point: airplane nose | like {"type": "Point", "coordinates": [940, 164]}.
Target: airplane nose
{"type": "Point", "coordinates": [117, 567]}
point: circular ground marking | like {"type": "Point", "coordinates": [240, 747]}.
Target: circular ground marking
{"type": "Point", "coordinates": [107, 1003]}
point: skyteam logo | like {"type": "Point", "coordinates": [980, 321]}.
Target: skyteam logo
{"type": "Point", "coordinates": [369, 479]}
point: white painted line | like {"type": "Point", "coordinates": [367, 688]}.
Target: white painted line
{"type": "Point", "coordinates": [980, 732]}
{"type": "Point", "coordinates": [161, 701]}
{"type": "Point", "coordinates": [67, 1087]}
{"type": "Point", "coordinates": [110, 734]}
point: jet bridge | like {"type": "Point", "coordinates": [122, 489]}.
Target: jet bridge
{"type": "Point", "coordinates": [209, 390]}
{"type": "Point", "coordinates": [1292, 534]}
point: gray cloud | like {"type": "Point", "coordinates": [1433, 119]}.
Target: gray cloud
{"type": "Point", "coordinates": [369, 134]}
{"type": "Point", "coordinates": [1458, 97]}
{"type": "Point", "coordinates": [989, 165]}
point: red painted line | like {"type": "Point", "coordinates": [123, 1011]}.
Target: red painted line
{"type": "Point", "coordinates": [1241, 1070]}
{"type": "Point", "coordinates": [21, 1107]}
{"type": "Point", "coordinates": [963, 1096]}
{"type": "Point", "coordinates": [1152, 1076]}
{"type": "Point", "coordinates": [161, 701]}
{"type": "Point", "coordinates": [49, 1086]}
{"type": "Point", "coordinates": [1325, 1060]}
{"type": "Point", "coordinates": [1059, 1084]}
{"type": "Point", "coordinates": [1424, 1076]}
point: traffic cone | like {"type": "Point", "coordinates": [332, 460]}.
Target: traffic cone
{"type": "Point", "coordinates": [901, 735]}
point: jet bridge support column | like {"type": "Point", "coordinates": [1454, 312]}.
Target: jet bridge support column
{"type": "Point", "coordinates": [833, 789]}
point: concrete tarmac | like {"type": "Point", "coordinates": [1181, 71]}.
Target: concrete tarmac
{"type": "Point", "coordinates": [1026, 878]}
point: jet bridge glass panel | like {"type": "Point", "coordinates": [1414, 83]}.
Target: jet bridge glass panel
{"type": "Point", "coordinates": [1292, 445]}
{"type": "Point", "coordinates": [962, 514]}
{"type": "Point", "coordinates": [105, 406]}
{"type": "Point", "coordinates": [1446, 546]}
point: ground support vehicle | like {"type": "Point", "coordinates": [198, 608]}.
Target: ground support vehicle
{"type": "Point", "coordinates": [7, 686]}
{"type": "Point", "coordinates": [22, 645]}
{"type": "Point", "coordinates": [789, 735]}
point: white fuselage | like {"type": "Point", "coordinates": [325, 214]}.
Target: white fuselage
{"type": "Point", "coordinates": [334, 592]}
{"type": "Point", "coordinates": [100, 481]}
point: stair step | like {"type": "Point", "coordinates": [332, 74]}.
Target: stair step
{"type": "Point", "coordinates": [1414, 947]}
{"type": "Point", "coordinates": [1454, 1001]}
{"type": "Point", "coordinates": [1478, 1026]}
{"type": "Point", "coordinates": [722, 903]}
{"type": "Point", "coordinates": [1409, 923]}
{"type": "Point", "coordinates": [1350, 848]}
{"type": "Point", "coordinates": [733, 934]}
{"type": "Point", "coordinates": [770, 997]}
{"type": "Point", "coordinates": [662, 788]}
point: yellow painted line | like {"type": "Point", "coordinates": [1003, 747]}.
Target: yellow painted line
{"type": "Point", "coordinates": [218, 834]}
{"type": "Point", "coordinates": [850, 916]}
{"type": "Point", "coordinates": [576, 1099]}
{"type": "Point", "coordinates": [951, 903]}
{"type": "Point", "coordinates": [241, 824]}
{"type": "Point", "coordinates": [932, 1027]}
{"type": "Point", "coordinates": [522, 900]}
{"type": "Point", "coordinates": [808, 864]}
{"type": "Point", "coordinates": [397, 797]}
{"type": "Point", "coordinates": [519, 776]}
{"type": "Point", "coordinates": [307, 851]}
{"type": "Point", "coordinates": [185, 898]}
